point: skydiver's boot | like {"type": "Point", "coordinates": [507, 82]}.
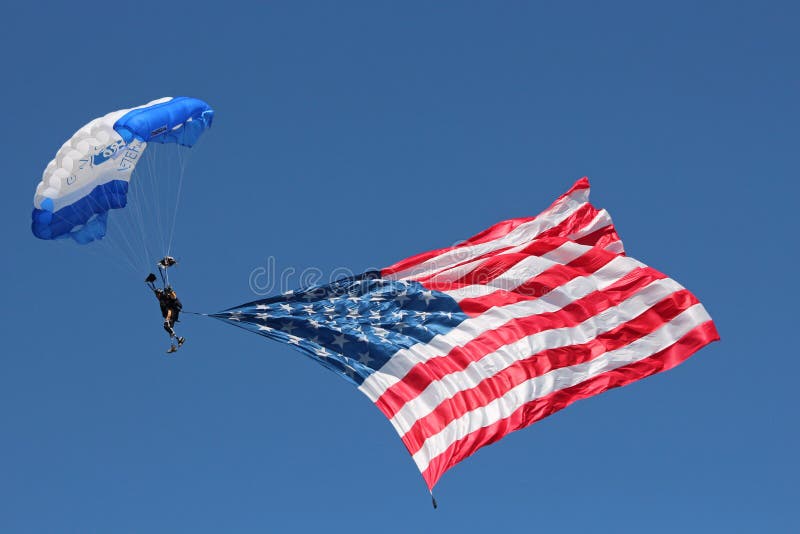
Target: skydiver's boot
{"type": "Point", "coordinates": [181, 340]}
{"type": "Point", "coordinates": [172, 348]}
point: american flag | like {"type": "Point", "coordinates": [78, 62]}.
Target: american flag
{"type": "Point", "coordinates": [460, 346]}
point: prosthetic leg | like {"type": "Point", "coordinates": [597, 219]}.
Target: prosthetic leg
{"type": "Point", "coordinates": [169, 323]}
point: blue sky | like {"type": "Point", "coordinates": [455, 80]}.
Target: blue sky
{"type": "Point", "coordinates": [354, 134]}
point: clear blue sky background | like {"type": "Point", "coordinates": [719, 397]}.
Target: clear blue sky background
{"type": "Point", "coordinates": [357, 133]}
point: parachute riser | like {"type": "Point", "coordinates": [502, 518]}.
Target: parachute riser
{"type": "Point", "coordinates": [165, 263]}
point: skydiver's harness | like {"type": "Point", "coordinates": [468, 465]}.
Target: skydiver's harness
{"type": "Point", "coordinates": [169, 303]}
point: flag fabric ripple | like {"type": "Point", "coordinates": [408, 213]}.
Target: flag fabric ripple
{"type": "Point", "coordinates": [462, 345]}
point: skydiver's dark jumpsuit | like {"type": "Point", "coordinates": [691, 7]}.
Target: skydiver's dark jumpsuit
{"type": "Point", "coordinates": [170, 309]}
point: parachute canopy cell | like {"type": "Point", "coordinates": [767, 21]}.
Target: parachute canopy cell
{"type": "Point", "coordinates": [91, 172]}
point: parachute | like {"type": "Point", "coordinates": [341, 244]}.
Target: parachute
{"type": "Point", "coordinates": [91, 179]}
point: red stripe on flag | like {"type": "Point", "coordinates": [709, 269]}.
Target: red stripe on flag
{"type": "Point", "coordinates": [422, 374]}
{"type": "Point", "coordinates": [572, 224]}
{"type": "Point", "coordinates": [600, 238]}
{"type": "Point", "coordinates": [498, 263]}
{"type": "Point", "coordinates": [543, 362]}
{"type": "Point", "coordinates": [492, 233]}
{"type": "Point", "coordinates": [500, 229]}
{"type": "Point", "coordinates": [541, 284]}
{"type": "Point", "coordinates": [538, 409]}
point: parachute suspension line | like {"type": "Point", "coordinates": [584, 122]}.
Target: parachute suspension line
{"type": "Point", "coordinates": [94, 250]}
{"type": "Point", "coordinates": [122, 218]}
{"type": "Point", "coordinates": [181, 172]}
{"type": "Point", "coordinates": [121, 221]}
{"type": "Point", "coordinates": [130, 231]}
{"type": "Point", "coordinates": [152, 157]}
{"type": "Point", "coordinates": [146, 227]}
{"type": "Point", "coordinates": [139, 211]}
{"type": "Point", "coordinates": [124, 247]}
{"type": "Point", "coordinates": [149, 183]}
{"type": "Point", "coordinates": [145, 178]}
{"type": "Point", "coordinates": [166, 199]}
{"type": "Point", "coordinates": [161, 189]}
{"type": "Point", "coordinates": [146, 189]}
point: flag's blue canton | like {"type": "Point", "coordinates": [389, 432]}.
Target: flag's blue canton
{"type": "Point", "coordinates": [354, 325]}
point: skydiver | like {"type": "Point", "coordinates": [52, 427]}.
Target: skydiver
{"type": "Point", "coordinates": [168, 301]}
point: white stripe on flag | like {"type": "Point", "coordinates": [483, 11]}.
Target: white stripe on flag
{"type": "Point", "coordinates": [556, 380]}
{"type": "Point", "coordinates": [442, 390]}
{"type": "Point", "coordinates": [601, 220]}
{"type": "Point", "coordinates": [401, 363]}
{"type": "Point", "coordinates": [522, 271]}
{"type": "Point", "coordinates": [523, 233]}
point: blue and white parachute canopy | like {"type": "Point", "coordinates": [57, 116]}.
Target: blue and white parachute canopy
{"type": "Point", "coordinates": [91, 172]}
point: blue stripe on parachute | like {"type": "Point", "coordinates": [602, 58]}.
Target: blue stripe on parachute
{"type": "Point", "coordinates": [85, 220]}
{"type": "Point", "coordinates": [155, 124]}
